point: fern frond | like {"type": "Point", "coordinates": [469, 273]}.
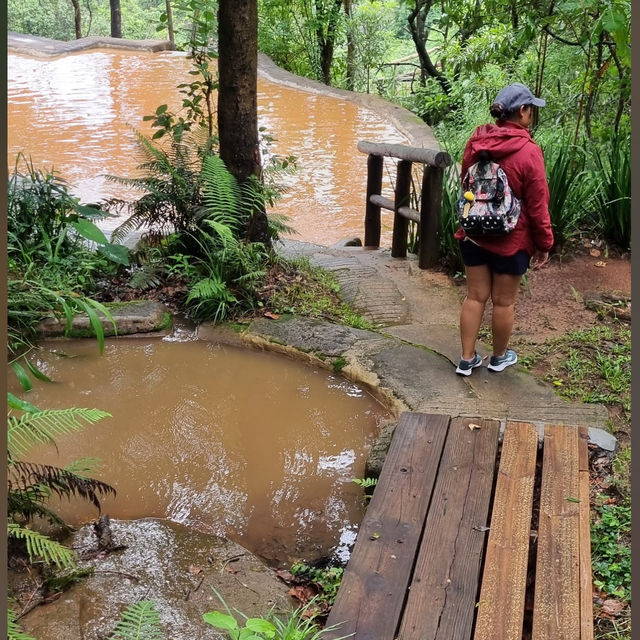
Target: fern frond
{"type": "Point", "coordinates": [210, 289]}
{"type": "Point", "coordinates": [40, 546]}
{"type": "Point", "coordinates": [28, 504]}
{"type": "Point", "coordinates": [146, 277]}
{"type": "Point", "coordinates": [278, 225]}
{"type": "Point", "coordinates": [139, 621]}
{"type": "Point", "coordinates": [222, 193]}
{"type": "Point", "coordinates": [36, 428]}
{"type": "Point", "coordinates": [62, 482]}
{"type": "Point", "coordinates": [14, 632]}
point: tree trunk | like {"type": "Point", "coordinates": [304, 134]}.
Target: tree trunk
{"type": "Point", "coordinates": [417, 27]}
{"type": "Point", "coordinates": [172, 37]}
{"type": "Point", "coordinates": [116, 21]}
{"type": "Point", "coordinates": [351, 48]}
{"type": "Point", "coordinates": [77, 19]}
{"type": "Point", "coordinates": [237, 98]}
{"type": "Point", "coordinates": [326, 33]}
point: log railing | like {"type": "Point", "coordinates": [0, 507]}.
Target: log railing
{"type": "Point", "coordinates": [428, 218]}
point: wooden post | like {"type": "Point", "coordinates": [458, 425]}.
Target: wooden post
{"type": "Point", "coordinates": [372, 213]}
{"type": "Point", "coordinates": [430, 213]}
{"type": "Point", "coordinates": [400, 223]}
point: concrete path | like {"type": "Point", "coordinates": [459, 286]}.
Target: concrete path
{"type": "Point", "coordinates": [412, 354]}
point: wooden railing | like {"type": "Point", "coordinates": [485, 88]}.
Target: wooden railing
{"type": "Point", "coordinates": [427, 219]}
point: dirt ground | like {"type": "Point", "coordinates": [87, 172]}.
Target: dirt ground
{"type": "Point", "coordinates": [552, 299]}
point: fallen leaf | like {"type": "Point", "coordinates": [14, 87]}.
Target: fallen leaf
{"type": "Point", "coordinates": [273, 316]}
{"type": "Point", "coordinates": [569, 499]}
{"type": "Point", "coordinates": [612, 608]}
{"type": "Point", "coordinates": [473, 426]}
{"type": "Point", "coordinates": [595, 253]}
{"type": "Point", "coordinates": [481, 528]}
{"type": "Point", "coordinates": [231, 570]}
{"type": "Point", "coordinates": [284, 575]}
{"type": "Point", "coordinates": [601, 264]}
{"type": "Point", "coordinates": [194, 569]}
{"type": "Point", "coordinates": [302, 593]}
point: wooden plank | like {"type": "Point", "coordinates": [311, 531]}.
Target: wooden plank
{"type": "Point", "coordinates": [400, 233]}
{"type": "Point", "coordinates": [382, 201]}
{"type": "Point", "coordinates": [433, 157]}
{"type": "Point", "coordinates": [556, 613]}
{"type": "Point", "coordinates": [504, 579]}
{"type": "Point", "coordinates": [372, 212]}
{"type": "Point", "coordinates": [586, 579]}
{"type": "Point", "coordinates": [444, 588]}
{"type": "Point", "coordinates": [430, 214]}
{"type": "Point", "coordinates": [371, 596]}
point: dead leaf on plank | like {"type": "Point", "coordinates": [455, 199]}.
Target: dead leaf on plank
{"type": "Point", "coordinates": [473, 426]}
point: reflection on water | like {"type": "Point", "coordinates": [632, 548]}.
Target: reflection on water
{"type": "Point", "coordinates": [77, 113]}
{"type": "Point", "coordinates": [245, 444]}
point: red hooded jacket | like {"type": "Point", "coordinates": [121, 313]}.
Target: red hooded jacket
{"type": "Point", "coordinates": [512, 146]}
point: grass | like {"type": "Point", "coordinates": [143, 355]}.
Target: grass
{"type": "Point", "coordinates": [590, 365]}
{"type": "Point", "coordinates": [295, 287]}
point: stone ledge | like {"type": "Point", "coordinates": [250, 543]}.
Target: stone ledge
{"type": "Point", "coordinates": [140, 316]}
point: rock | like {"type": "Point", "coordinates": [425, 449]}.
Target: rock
{"type": "Point", "coordinates": [165, 562]}
{"type": "Point", "coordinates": [347, 242]}
{"type": "Point", "coordinates": [138, 316]}
{"type": "Point", "coordinates": [603, 440]}
{"type": "Point", "coordinates": [379, 450]}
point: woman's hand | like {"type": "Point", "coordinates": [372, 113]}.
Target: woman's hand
{"type": "Point", "coordinates": [539, 259]}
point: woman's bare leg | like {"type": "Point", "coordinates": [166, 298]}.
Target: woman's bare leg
{"type": "Point", "coordinates": [478, 291]}
{"type": "Point", "coordinates": [504, 291]}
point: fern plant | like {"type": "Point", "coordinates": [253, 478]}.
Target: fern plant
{"type": "Point", "coordinates": [14, 632]}
{"type": "Point", "coordinates": [30, 485]}
{"type": "Point", "coordinates": [139, 621]}
{"type": "Point", "coordinates": [172, 194]}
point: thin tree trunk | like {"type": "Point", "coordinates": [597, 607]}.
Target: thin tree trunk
{"type": "Point", "coordinates": [417, 27]}
{"type": "Point", "coordinates": [116, 19]}
{"type": "Point", "coordinates": [77, 18]}
{"type": "Point", "coordinates": [172, 37]}
{"type": "Point", "coordinates": [327, 39]}
{"type": "Point", "coordinates": [237, 98]}
{"type": "Point", "coordinates": [351, 49]}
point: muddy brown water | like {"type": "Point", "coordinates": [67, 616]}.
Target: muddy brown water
{"type": "Point", "coordinates": [76, 113]}
{"type": "Point", "coordinates": [245, 444]}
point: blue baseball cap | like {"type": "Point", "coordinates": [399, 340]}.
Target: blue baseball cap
{"type": "Point", "coordinates": [513, 96]}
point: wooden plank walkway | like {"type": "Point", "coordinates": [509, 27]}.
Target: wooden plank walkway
{"type": "Point", "coordinates": [427, 565]}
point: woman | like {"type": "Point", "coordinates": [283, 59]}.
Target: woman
{"type": "Point", "coordinates": [494, 265]}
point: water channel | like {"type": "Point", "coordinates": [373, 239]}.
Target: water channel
{"type": "Point", "coordinates": [76, 113]}
{"type": "Point", "coordinates": [244, 444]}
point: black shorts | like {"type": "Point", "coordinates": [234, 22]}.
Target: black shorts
{"type": "Point", "coordinates": [475, 256]}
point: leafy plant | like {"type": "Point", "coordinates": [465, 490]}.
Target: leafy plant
{"type": "Point", "coordinates": [365, 483]}
{"type": "Point", "coordinates": [139, 621]}
{"type": "Point", "coordinates": [567, 188]}
{"type": "Point", "coordinates": [610, 181]}
{"type": "Point", "coordinates": [31, 485]}
{"type": "Point", "coordinates": [14, 632]}
{"type": "Point", "coordinates": [298, 625]}
{"type": "Point", "coordinates": [611, 551]}
{"type": "Point", "coordinates": [327, 580]}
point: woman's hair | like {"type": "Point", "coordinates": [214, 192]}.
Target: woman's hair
{"type": "Point", "coordinates": [501, 114]}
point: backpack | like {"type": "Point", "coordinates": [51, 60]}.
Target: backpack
{"type": "Point", "coordinates": [487, 205]}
